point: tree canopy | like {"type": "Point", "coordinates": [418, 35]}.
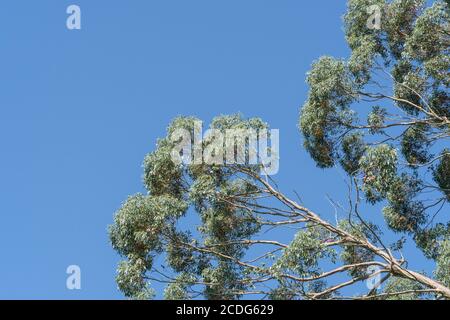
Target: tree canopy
{"type": "Point", "coordinates": [382, 115]}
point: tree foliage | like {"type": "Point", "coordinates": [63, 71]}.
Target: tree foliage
{"type": "Point", "coordinates": [395, 87]}
{"type": "Point", "coordinates": [382, 115]}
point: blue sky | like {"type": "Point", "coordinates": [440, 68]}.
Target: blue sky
{"type": "Point", "coordinates": [79, 109]}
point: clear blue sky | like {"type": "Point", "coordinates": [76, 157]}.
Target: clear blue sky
{"type": "Point", "coordinates": [80, 109]}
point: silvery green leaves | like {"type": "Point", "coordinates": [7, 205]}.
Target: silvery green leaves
{"type": "Point", "coordinates": [303, 259]}
{"type": "Point", "coordinates": [364, 42]}
{"type": "Point", "coordinates": [329, 81]}
{"type": "Point", "coordinates": [395, 284]}
{"type": "Point", "coordinates": [430, 239]}
{"type": "Point", "coordinates": [146, 226]}
{"type": "Point", "coordinates": [399, 21]}
{"type": "Point", "coordinates": [381, 181]}
{"type": "Point", "coordinates": [404, 213]}
{"type": "Point", "coordinates": [229, 142]}
{"type": "Point", "coordinates": [379, 169]}
{"type": "Point", "coordinates": [409, 90]}
{"type": "Point", "coordinates": [441, 173]}
{"type": "Point", "coordinates": [376, 119]}
{"type": "Point", "coordinates": [130, 280]}
{"type": "Point", "coordinates": [443, 262]}
{"type": "Point", "coordinates": [359, 12]}
{"type": "Point", "coordinates": [326, 112]}
{"type": "Point", "coordinates": [304, 252]}
{"type": "Point", "coordinates": [414, 145]}
{"type": "Point", "coordinates": [429, 42]}
{"type": "Point", "coordinates": [353, 148]}
{"type": "Point", "coordinates": [383, 113]}
{"type": "Point", "coordinates": [137, 234]}
{"type": "Point", "coordinates": [352, 254]}
{"type": "Point", "coordinates": [388, 134]}
{"type": "Point", "coordinates": [137, 225]}
{"type": "Point", "coordinates": [161, 174]}
{"type": "Point", "coordinates": [178, 289]}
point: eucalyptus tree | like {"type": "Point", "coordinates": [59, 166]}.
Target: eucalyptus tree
{"type": "Point", "coordinates": [382, 115]}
